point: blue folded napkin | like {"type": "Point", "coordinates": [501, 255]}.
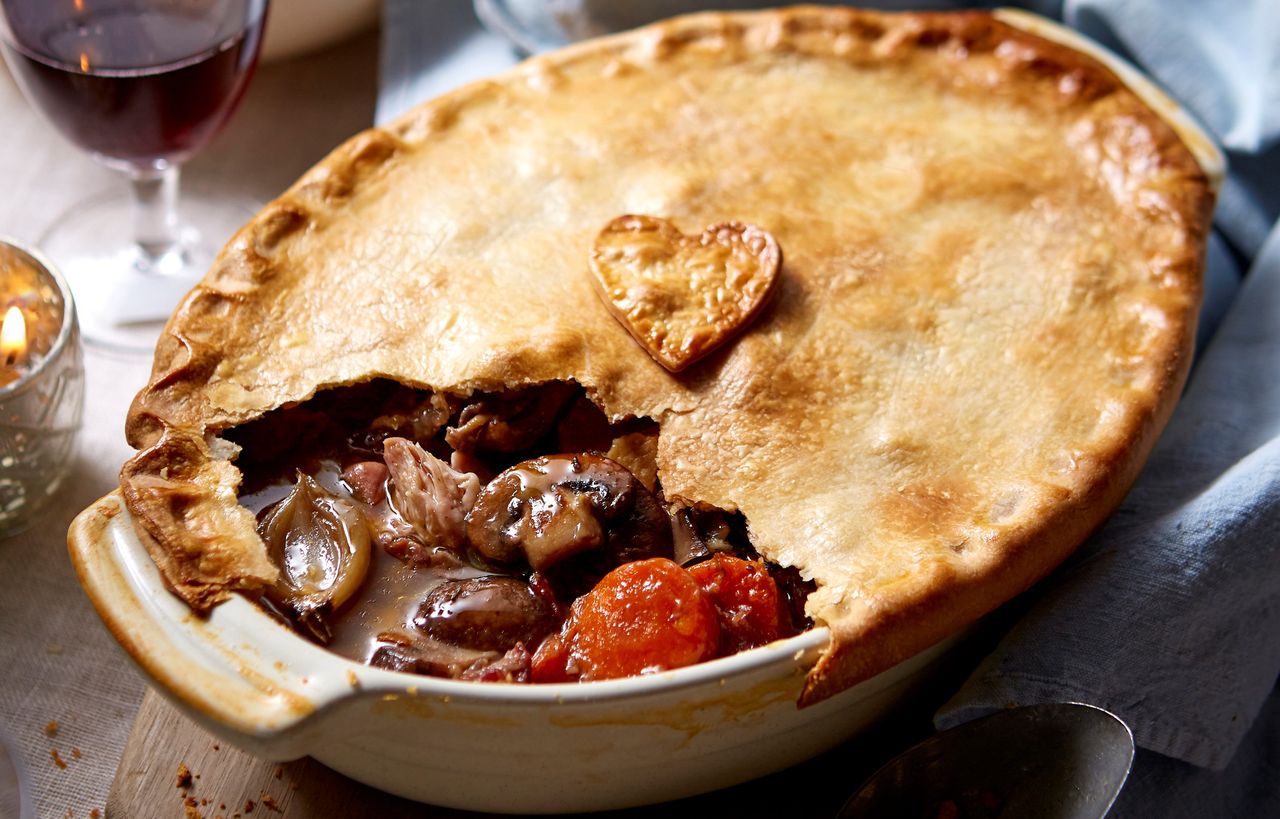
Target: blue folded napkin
{"type": "Point", "coordinates": [1170, 615]}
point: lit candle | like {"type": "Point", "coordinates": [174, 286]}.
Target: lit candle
{"type": "Point", "coordinates": [41, 383]}
{"type": "Point", "coordinates": [13, 337]}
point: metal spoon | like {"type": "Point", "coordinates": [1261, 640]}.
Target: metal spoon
{"type": "Point", "coordinates": [1051, 761]}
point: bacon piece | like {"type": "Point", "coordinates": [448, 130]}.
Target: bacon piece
{"type": "Point", "coordinates": [367, 480]}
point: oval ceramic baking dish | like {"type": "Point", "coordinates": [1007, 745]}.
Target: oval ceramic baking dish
{"type": "Point", "coordinates": [541, 748]}
{"type": "Point", "coordinates": [535, 748]}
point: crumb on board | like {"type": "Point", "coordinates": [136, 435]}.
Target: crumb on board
{"type": "Point", "coordinates": [269, 802]}
{"type": "Point", "coordinates": [184, 776]}
{"type": "Point", "coordinates": [57, 759]}
{"type": "Point", "coordinates": [192, 813]}
{"type": "Point", "coordinates": [217, 747]}
{"type": "Point", "coordinates": [190, 801]}
{"type": "Point", "coordinates": [51, 728]}
{"type": "Point", "coordinates": [279, 772]}
{"type": "Point", "coordinates": [248, 806]}
{"type": "Point", "coordinates": [75, 753]}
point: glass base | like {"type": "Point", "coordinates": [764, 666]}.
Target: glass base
{"type": "Point", "coordinates": [123, 295]}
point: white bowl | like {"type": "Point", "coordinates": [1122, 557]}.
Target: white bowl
{"type": "Point", "coordinates": [509, 748]}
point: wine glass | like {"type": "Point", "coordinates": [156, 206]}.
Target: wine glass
{"type": "Point", "coordinates": [142, 85]}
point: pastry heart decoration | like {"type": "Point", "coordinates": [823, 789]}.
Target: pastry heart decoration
{"type": "Point", "coordinates": [683, 296]}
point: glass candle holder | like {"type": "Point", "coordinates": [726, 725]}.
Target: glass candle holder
{"type": "Point", "coordinates": [41, 383]}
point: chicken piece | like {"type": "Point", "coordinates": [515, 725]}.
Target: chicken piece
{"type": "Point", "coordinates": [430, 495]}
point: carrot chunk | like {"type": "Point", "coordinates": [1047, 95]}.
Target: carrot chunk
{"type": "Point", "coordinates": [752, 611]}
{"type": "Point", "coordinates": [642, 617]}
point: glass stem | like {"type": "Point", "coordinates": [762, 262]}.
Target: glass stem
{"type": "Point", "coordinates": [155, 212]}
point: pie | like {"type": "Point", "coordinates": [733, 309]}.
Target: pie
{"type": "Point", "coordinates": [991, 268]}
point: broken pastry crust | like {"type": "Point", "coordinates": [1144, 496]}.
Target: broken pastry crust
{"type": "Point", "coordinates": [984, 317]}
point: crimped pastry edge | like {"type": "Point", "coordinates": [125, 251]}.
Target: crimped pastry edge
{"type": "Point", "coordinates": [171, 416]}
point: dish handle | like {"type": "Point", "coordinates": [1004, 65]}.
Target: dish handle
{"type": "Point", "coordinates": [230, 690]}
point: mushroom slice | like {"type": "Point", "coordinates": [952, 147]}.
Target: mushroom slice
{"type": "Point", "coordinates": [321, 544]}
{"type": "Point", "coordinates": [490, 613]}
{"type": "Point", "coordinates": [509, 422]}
{"type": "Point", "coordinates": [701, 530]}
{"type": "Point", "coordinates": [554, 507]}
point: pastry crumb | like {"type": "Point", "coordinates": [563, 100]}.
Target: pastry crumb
{"type": "Point", "coordinates": [183, 777]}
{"type": "Point", "coordinates": [57, 759]}
{"type": "Point", "coordinates": [51, 728]}
{"type": "Point", "coordinates": [279, 772]}
{"type": "Point", "coordinates": [95, 814]}
{"type": "Point", "coordinates": [249, 806]}
{"type": "Point", "coordinates": [269, 802]}
{"type": "Point", "coordinates": [75, 753]}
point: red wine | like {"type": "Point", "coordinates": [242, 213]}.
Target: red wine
{"type": "Point", "coordinates": [135, 81]}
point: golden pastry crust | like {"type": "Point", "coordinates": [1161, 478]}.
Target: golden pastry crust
{"type": "Point", "coordinates": [992, 255]}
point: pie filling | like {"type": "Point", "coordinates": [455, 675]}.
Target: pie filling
{"type": "Point", "coordinates": [517, 536]}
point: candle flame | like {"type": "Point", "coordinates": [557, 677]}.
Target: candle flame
{"type": "Point", "coordinates": [13, 334]}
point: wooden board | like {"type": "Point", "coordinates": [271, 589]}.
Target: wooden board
{"type": "Point", "coordinates": [225, 780]}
